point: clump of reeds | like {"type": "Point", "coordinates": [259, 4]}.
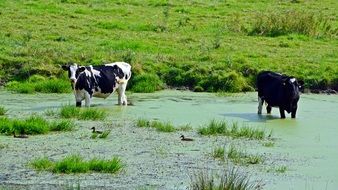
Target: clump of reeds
{"type": "Point", "coordinates": [33, 125]}
{"type": "Point", "coordinates": [159, 126]}
{"type": "Point", "coordinates": [68, 111]}
{"type": "Point", "coordinates": [231, 129]}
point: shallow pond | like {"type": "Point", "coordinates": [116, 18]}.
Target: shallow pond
{"type": "Point", "coordinates": [308, 144]}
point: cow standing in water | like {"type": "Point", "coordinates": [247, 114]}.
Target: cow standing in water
{"type": "Point", "coordinates": [277, 91]}
{"type": "Point", "coordinates": [99, 81]}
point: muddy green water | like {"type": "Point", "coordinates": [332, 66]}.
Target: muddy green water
{"type": "Point", "coordinates": [307, 145]}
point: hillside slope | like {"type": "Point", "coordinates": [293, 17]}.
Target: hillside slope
{"type": "Point", "coordinates": [203, 45]}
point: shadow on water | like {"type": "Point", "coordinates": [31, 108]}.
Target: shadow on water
{"type": "Point", "coordinates": [252, 117]}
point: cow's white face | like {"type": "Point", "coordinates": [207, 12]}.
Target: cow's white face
{"type": "Point", "coordinates": [72, 72]}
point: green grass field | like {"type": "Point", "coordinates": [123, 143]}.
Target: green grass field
{"type": "Point", "coordinates": [203, 45]}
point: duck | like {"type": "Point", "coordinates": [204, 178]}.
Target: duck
{"type": "Point", "coordinates": [95, 131]}
{"type": "Point", "coordinates": [20, 136]}
{"type": "Point", "coordinates": [183, 138]}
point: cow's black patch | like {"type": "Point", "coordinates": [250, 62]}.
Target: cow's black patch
{"type": "Point", "coordinates": [105, 80]}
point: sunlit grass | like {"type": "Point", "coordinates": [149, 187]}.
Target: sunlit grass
{"type": "Point", "coordinates": [43, 86]}
{"type": "Point", "coordinates": [76, 164]}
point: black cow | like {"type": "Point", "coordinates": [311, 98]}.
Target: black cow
{"type": "Point", "coordinates": [278, 91]}
{"type": "Point", "coordinates": [99, 81]}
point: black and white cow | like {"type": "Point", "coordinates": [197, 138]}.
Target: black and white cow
{"type": "Point", "coordinates": [99, 81]}
{"type": "Point", "coordinates": [278, 91]}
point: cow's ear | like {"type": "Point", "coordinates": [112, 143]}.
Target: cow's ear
{"type": "Point", "coordinates": [65, 67]}
{"type": "Point", "coordinates": [81, 69]}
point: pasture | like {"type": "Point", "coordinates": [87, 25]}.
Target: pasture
{"type": "Point", "coordinates": [197, 44]}
{"type": "Point", "coordinates": [298, 154]}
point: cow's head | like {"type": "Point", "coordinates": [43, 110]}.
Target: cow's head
{"type": "Point", "coordinates": [73, 72]}
{"type": "Point", "coordinates": [291, 87]}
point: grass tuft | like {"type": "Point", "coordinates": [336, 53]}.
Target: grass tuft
{"type": "Point", "coordinates": [33, 125]}
{"type": "Point", "coordinates": [230, 179]}
{"type": "Point", "coordinates": [92, 114]}
{"type": "Point", "coordinates": [218, 153]}
{"type": "Point", "coordinates": [76, 164]}
{"type": "Point", "coordinates": [69, 111]}
{"type": "Point", "coordinates": [239, 157]}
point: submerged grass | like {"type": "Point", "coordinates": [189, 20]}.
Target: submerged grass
{"type": "Point", "coordinates": [231, 129]}
{"type": "Point", "coordinates": [76, 164]}
{"type": "Point", "coordinates": [159, 126]}
{"type": "Point", "coordinates": [230, 179]}
{"type": "Point", "coordinates": [33, 125]}
{"type": "Point", "coordinates": [68, 111]}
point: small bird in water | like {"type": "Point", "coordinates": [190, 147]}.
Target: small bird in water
{"type": "Point", "coordinates": [183, 138]}
{"type": "Point", "coordinates": [95, 131]}
{"type": "Point", "coordinates": [20, 136]}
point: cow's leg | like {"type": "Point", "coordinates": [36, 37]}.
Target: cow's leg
{"type": "Point", "coordinates": [119, 99]}
{"type": "Point", "coordinates": [268, 109]}
{"type": "Point", "coordinates": [260, 104]}
{"type": "Point", "coordinates": [78, 98]}
{"type": "Point", "coordinates": [293, 112]}
{"type": "Point", "coordinates": [282, 114]}
{"type": "Point", "coordinates": [87, 99]}
{"type": "Point", "coordinates": [122, 93]}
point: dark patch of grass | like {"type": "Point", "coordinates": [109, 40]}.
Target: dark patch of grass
{"type": "Point", "coordinates": [3, 110]}
{"type": "Point", "coordinates": [63, 125]}
{"type": "Point", "coordinates": [232, 130]}
{"type": "Point", "coordinates": [239, 157]}
{"type": "Point", "coordinates": [230, 179]}
{"type": "Point", "coordinates": [76, 164]}
{"type": "Point", "coordinates": [159, 126]}
{"type": "Point", "coordinates": [33, 125]}
{"type": "Point", "coordinates": [146, 83]}
{"type": "Point", "coordinates": [69, 111]}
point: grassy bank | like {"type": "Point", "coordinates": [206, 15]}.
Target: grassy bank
{"type": "Point", "coordinates": [203, 45]}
